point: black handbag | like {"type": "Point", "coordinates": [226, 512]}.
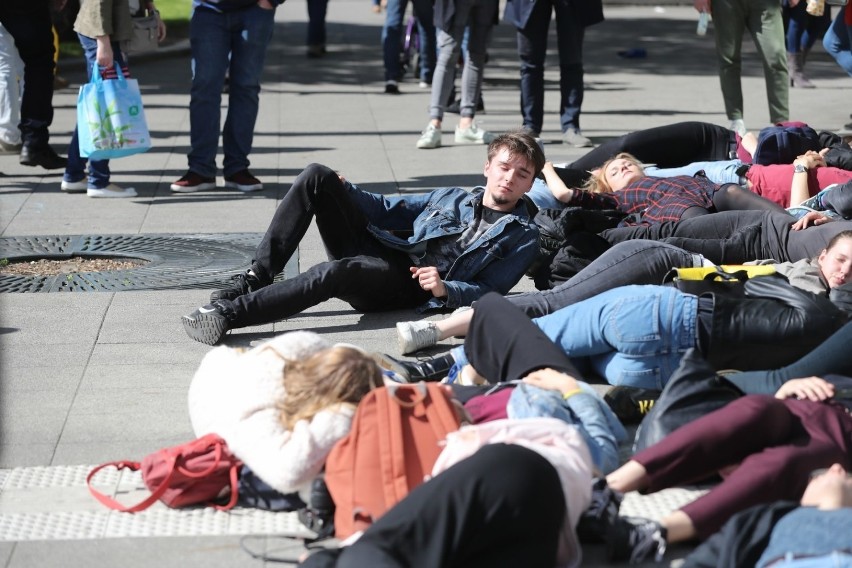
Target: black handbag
{"type": "Point", "coordinates": [694, 390]}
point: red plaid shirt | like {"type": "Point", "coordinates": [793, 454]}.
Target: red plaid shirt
{"type": "Point", "coordinates": [653, 200]}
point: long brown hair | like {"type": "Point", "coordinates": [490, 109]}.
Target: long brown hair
{"type": "Point", "coordinates": [328, 377]}
{"type": "Point", "coordinates": [597, 182]}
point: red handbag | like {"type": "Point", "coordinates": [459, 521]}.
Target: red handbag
{"type": "Point", "coordinates": [198, 472]}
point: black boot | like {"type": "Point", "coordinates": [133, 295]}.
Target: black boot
{"type": "Point", "coordinates": [432, 370]}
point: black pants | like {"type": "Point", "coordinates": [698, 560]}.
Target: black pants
{"type": "Point", "coordinates": [503, 344]}
{"type": "Point", "coordinates": [667, 146]}
{"type": "Point", "coordinates": [735, 237]}
{"type": "Point", "coordinates": [361, 271]}
{"type": "Point", "coordinates": [503, 506]}
{"type": "Point", "coordinates": [28, 22]}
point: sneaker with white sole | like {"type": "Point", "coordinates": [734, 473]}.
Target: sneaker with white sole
{"type": "Point", "coordinates": [112, 190]}
{"type": "Point", "coordinates": [208, 324]}
{"type": "Point", "coordinates": [415, 335]}
{"type": "Point", "coordinates": [573, 138]}
{"type": "Point", "coordinates": [473, 135]}
{"type": "Point", "coordinates": [74, 186]}
{"type": "Point", "coordinates": [431, 137]}
{"type": "Point", "coordinates": [635, 540]}
{"type": "Point", "coordinates": [244, 181]}
{"type": "Point", "coordinates": [192, 182]}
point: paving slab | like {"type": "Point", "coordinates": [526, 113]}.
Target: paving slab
{"type": "Point", "coordinates": [89, 377]}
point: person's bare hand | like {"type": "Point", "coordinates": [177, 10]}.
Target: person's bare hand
{"type": "Point", "coordinates": [161, 28]}
{"type": "Point", "coordinates": [265, 4]}
{"type": "Point", "coordinates": [809, 388]}
{"type": "Point", "coordinates": [810, 160]}
{"type": "Point", "coordinates": [104, 55]}
{"type": "Point", "coordinates": [811, 219]}
{"type": "Point", "coordinates": [702, 5]}
{"type": "Point", "coordinates": [551, 379]}
{"type": "Point", "coordinates": [429, 279]}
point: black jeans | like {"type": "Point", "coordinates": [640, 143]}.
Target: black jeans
{"type": "Point", "coordinates": [735, 237]}
{"type": "Point", "coordinates": [502, 506]}
{"type": "Point", "coordinates": [503, 344]}
{"type": "Point", "coordinates": [361, 271]}
{"type": "Point", "coordinates": [667, 146]}
{"type": "Point", "coordinates": [28, 22]}
{"type": "Point", "coordinates": [634, 261]}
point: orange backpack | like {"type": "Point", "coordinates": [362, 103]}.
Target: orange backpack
{"type": "Point", "coordinates": [395, 439]}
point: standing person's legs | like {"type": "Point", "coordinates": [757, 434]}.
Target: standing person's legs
{"type": "Point", "coordinates": [569, 38]}
{"type": "Point", "coordinates": [424, 12]}
{"type": "Point", "coordinates": [503, 506]}
{"type": "Point", "coordinates": [838, 42]}
{"type": "Point", "coordinates": [317, 10]}
{"type": "Point", "coordinates": [392, 38]}
{"type": "Point", "coordinates": [631, 262]}
{"type": "Point", "coordinates": [730, 19]}
{"type": "Point", "coordinates": [11, 74]}
{"type": "Point", "coordinates": [248, 39]}
{"type": "Point", "coordinates": [317, 191]}
{"type": "Point", "coordinates": [480, 22]}
{"type": "Point", "coordinates": [532, 49]}
{"type": "Point", "coordinates": [30, 25]}
{"type": "Point", "coordinates": [767, 28]}
{"type": "Point", "coordinates": [517, 349]}
{"type": "Point", "coordinates": [210, 44]}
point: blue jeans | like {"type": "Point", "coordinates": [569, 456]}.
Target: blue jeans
{"type": "Point", "coordinates": [75, 170]}
{"type": "Point", "coordinates": [633, 335]}
{"type": "Point", "coordinates": [803, 29]}
{"type": "Point", "coordinates": [479, 16]}
{"type": "Point", "coordinates": [392, 38]}
{"type": "Point", "coordinates": [838, 42]}
{"type": "Point", "coordinates": [720, 172]}
{"type": "Point", "coordinates": [532, 49]}
{"type": "Point", "coordinates": [317, 10]}
{"type": "Point", "coordinates": [219, 41]}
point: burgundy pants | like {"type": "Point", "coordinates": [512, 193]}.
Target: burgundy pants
{"type": "Point", "coordinates": [776, 442]}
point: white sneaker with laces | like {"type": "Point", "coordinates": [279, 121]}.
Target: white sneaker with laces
{"type": "Point", "coordinates": [415, 335]}
{"type": "Point", "coordinates": [74, 186]}
{"type": "Point", "coordinates": [738, 126]}
{"type": "Point", "coordinates": [431, 137]}
{"type": "Point", "coordinates": [473, 135]}
{"type": "Point", "coordinates": [573, 138]}
{"type": "Point", "coordinates": [112, 190]}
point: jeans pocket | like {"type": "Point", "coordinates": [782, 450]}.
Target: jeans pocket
{"type": "Point", "coordinates": [636, 319]}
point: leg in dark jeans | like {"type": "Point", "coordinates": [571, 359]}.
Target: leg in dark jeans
{"type": "Point", "coordinates": [532, 49]}
{"type": "Point", "coordinates": [503, 344]}
{"type": "Point", "coordinates": [366, 282]}
{"type": "Point", "coordinates": [630, 262]}
{"type": "Point", "coordinates": [318, 191]}
{"type": "Point", "coordinates": [503, 506]}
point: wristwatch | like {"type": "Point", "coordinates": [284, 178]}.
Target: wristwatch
{"type": "Point", "coordinates": [799, 169]}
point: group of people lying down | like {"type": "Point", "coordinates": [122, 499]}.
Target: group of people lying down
{"type": "Point", "coordinates": [780, 454]}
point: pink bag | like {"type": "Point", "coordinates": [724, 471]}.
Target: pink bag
{"type": "Point", "coordinates": [198, 472]}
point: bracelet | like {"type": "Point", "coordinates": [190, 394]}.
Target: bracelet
{"type": "Point", "coordinates": [569, 394]}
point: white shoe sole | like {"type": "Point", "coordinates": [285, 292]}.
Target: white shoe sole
{"type": "Point", "coordinates": [102, 193]}
{"type": "Point", "coordinates": [74, 186]}
{"type": "Point", "coordinates": [192, 189]}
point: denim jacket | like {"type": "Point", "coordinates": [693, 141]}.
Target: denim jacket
{"type": "Point", "coordinates": [496, 261]}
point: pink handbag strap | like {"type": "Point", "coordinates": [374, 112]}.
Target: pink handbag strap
{"type": "Point", "coordinates": [132, 466]}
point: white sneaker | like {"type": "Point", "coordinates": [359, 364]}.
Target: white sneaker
{"type": "Point", "coordinates": [738, 126]}
{"type": "Point", "coordinates": [573, 138]}
{"type": "Point", "coordinates": [112, 190]}
{"type": "Point", "coordinates": [415, 335]}
{"type": "Point", "coordinates": [473, 135]}
{"type": "Point", "coordinates": [74, 186]}
{"type": "Point", "coordinates": [431, 137]}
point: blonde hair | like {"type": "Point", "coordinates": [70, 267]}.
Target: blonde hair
{"type": "Point", "coordinates": [597, 183]}
{"type": "Point", "coordinates": [328, 377]}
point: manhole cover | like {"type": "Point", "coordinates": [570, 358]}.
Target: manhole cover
{"type": "Point", "coordinates": [172, 261]}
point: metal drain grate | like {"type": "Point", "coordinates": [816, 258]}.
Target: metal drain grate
{"type": "Point", "coordinates": [174, 261]}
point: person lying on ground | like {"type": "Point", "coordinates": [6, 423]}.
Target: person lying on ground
{"type": "Point", "coordinates": [281, 406]}
{"type": "Point", "coordinates": [388, 253]}
{"type": "Point", "coordinates": [636, 262]}
{"type": "Point", "coordinates": [788, 438]}
{"type": "Point", "coordinates": [814, 531]}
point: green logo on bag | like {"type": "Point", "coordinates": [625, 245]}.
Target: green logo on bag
{"type": "Point", "coordinates": [133, 111]}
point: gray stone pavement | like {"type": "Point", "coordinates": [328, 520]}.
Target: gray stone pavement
{"type": "Point", "coordinates": [94, 377]}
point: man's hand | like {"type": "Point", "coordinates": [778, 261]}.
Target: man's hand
{"type": "Point", "coordinates": [702, 5]}
{"type": "Point", "coordinates": [810, 160]}
{"type": "Point", "coordinates": [551, 379]}
{"type": "Point", "coordinates": [809, 388]}
{"type": "Point", "coordinates": [104, 55]}
{"type": "Point", "coordinates": [429, 280]}
{"type": "Point", "coordinates": [811, 218]}
{"type": "Point", "coordinates": [265, 4]}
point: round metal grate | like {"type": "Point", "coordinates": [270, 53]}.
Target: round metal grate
{"type": "Point", "coordinates": [174, 261]}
